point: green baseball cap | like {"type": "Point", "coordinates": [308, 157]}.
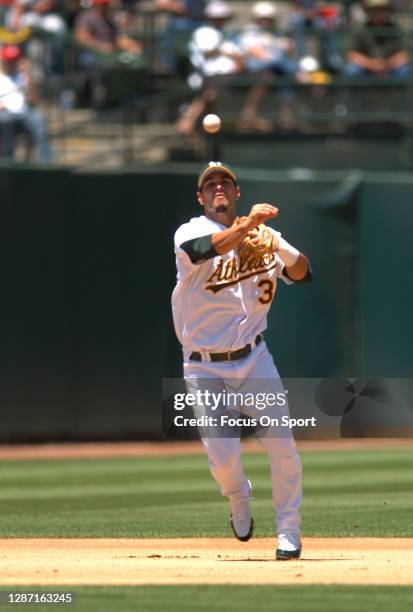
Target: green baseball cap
{"type": "Point", "coordinates": [213, 166]}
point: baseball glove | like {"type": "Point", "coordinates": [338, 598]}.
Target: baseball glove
{"type": "Point", "coordinates": [255, 247]}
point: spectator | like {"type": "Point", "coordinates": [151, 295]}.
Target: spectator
{"type": "Point", "coordinates": [213, 53]}
{"type": "Point", "coordinates": [307, 16]}
{"type": "Point", "coordinates": [125, 21]}
{"type": "Point", "coordinates": [212, 48]}
{"type": "Point", "coordinates": [185, 16]}
{"type": "Point", "coordinates": [18, 100]}
{"type": "Point", "coordinates": [263, 47]}
{"type": "Point", "coordinates": [96, 31]}
{"type": "Point", "coordinates": [377, 48]}
{"type": "Point", "coordinates": [100, 59]}
{"type": "Point", "coordinates": [46, 46]}
{"type": "Point", "coordinates": [42, 15]}
{"type": "Point", "coordinates": [265, 51]}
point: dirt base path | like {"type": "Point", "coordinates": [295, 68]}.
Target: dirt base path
{"type": "Point", "coordinates": [95, 450]}
{"type": "Point", "coordinates": [204, 560]}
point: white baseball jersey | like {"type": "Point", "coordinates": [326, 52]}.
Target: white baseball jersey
{"type": "Point", "coordinates": [221, 304]}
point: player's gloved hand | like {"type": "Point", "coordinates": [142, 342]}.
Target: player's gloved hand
{"type": "Point", "coordinates": [264, 237]}
{"type": "Point", "coordinates": [258, 242]}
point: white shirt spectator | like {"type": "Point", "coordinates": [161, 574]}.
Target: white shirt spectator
{"type": "Point", "coordinates": [256, 37]}
{"type": "Point", "coordinates": [208, 49]}
{"type": "Point", "coordinates": [12, 97]}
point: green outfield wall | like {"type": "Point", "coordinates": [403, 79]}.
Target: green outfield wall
{"type": "Point", "coordinates": [88, 269]}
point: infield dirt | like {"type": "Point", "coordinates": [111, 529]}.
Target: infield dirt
{"type": "Point", "coordinates": [203, 561]}
{"type": "Point", "coordinates": [96, 450]}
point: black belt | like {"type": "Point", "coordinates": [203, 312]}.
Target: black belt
{"type": "Point", "coordinates": [231, 356]}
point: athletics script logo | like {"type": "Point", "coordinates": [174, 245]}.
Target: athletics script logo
{"type": "Point", "coordinates": [234, 270]}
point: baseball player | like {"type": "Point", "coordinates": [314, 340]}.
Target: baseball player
{"type": "Point", "coordinates": [220, 305]}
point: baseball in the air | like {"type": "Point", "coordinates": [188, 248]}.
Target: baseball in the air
{"type": "Point", "coordinates": [211, 124]}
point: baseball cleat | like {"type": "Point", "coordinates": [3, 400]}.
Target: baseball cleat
{"type": "Point", "coordinates": [242, 522]}
{"type": "Point", "coordinates": [289, 547]}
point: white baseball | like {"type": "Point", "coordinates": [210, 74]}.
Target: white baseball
{"type": "Point", "coordinates": [211, 123]}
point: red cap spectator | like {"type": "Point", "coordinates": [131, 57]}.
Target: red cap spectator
{"type": "Point", "coordinates": [10, 53]}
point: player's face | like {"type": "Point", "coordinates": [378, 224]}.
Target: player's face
{"type": "Point", "coordinates": [218, 195]}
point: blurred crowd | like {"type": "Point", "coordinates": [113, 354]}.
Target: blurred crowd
{"type": "Point", "coordinates": [376, 47]}
{"type": "Point", "coordinates": [81, 44]}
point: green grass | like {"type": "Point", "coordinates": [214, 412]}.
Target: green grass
{"type": "Point", "coordinates": [365, 493]}
{"type": "Point", "coordinates": [235, 597]}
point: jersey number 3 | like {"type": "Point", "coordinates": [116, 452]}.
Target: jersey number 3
{"type": "Point", "coordinates": [267, 294]}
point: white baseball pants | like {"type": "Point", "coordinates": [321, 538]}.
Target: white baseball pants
{"type": "Point", "coordinates": [252, 374]}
